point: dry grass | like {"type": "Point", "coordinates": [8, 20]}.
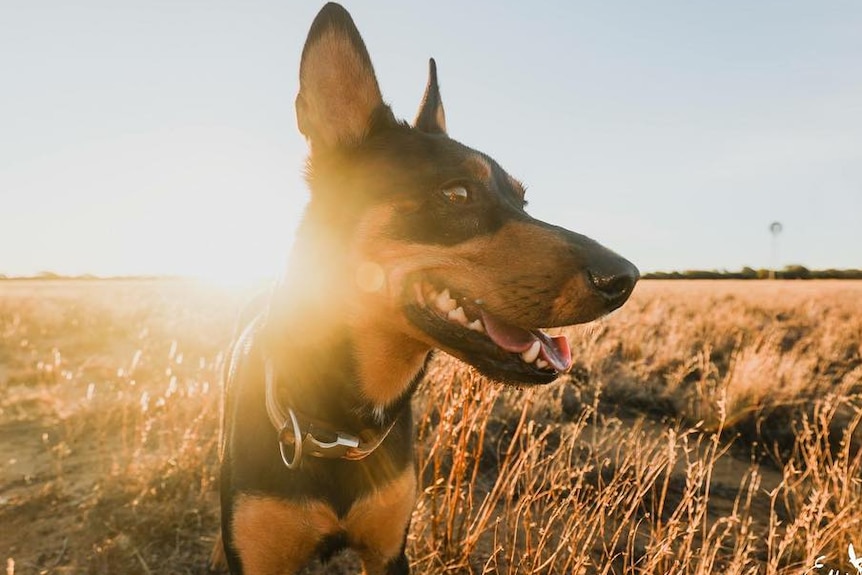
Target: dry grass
{"type": "Point", "coordinates": [708, 427]}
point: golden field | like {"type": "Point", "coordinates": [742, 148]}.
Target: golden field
{"type": "Point", "coordinates": [707, 427]}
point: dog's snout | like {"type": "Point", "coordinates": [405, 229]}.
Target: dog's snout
{"type": "Point", "coordinates": [614, 281]}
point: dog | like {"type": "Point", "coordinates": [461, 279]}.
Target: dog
{"type": "Point", "coordinates": [411, 242]}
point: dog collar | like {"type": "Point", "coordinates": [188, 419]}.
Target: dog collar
{"type": "Point", "coordinates": [307, 436]}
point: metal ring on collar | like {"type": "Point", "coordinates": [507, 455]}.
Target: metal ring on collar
{"type": "Point", "coordinates": [294, 462]}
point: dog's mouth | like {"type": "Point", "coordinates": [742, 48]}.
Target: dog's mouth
{"type": "Point", "coordinates": [463, 327]}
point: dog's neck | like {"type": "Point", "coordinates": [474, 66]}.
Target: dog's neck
{"type": "Point", "coordinates": [387, 366]}
{"type": "Point", "coordinates": [335, 363]}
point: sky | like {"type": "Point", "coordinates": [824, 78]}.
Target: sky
{"type": "Point", "coordinates": [159, 136]}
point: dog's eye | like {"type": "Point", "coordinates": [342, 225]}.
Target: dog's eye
{"type": "Point", "coordinates": [457, 195]}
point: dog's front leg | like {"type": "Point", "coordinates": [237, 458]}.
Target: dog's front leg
{"type": "Point", "coordinates": [273, 536]}
{"type": "Point", "coordinates": [377, 526]}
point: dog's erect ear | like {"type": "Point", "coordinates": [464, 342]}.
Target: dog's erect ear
{"type": "Point", "coordinates": [338, 92]}
{"type": "Point", "coordinates": [431, 117]}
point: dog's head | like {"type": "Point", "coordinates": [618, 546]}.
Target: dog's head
{"type": "Point", "coordinates": [426, 239]}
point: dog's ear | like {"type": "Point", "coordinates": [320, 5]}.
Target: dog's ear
{"type": "Point", "coordinates": [431, 117]}
{"type": "Point", "coordinates": [338, 92]}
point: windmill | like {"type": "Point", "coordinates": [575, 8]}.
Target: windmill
{"type": "Point", "coordinates": [775, 229]}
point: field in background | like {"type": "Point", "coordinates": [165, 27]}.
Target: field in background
{"type": "Point", "coordinates": [707, 427]}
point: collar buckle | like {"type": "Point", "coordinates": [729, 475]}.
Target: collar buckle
{"type": "Point", "coordinates": [335, 446]}
{"type": "Point", "coordinates": [315, 442]}
{"type": "Point", "coordinates": [299, 437]}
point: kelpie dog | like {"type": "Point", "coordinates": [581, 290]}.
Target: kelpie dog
{"type": "Point", "coordinates": [411, 242]}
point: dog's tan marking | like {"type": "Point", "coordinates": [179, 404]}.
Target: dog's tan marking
{"type": "Point", "coordinates": [277, 537]}
{"type": "Point", "coordinates": [478, 168]}
{"type": "Point", "coordinates": [375, 525]}
{"type": "Point", "coordinates": [544, 275]}
{"type": "Point", "coordinates": [338, 90]}
{"type": "Point", "coordinates": [387, 362]}
{"type": "Point", "coordinates": [517, 186]}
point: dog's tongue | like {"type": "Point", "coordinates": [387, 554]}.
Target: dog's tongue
{"type": "Point", "coordinates": [509, 337]}
{"type": "Point", "coordinates": [555, 349]}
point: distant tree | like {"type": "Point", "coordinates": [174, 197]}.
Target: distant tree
{"type": "Point", "coordinates": [796, 272]}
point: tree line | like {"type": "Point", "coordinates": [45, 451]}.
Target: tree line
{"type": "Point", "coordinates": [792, 272]}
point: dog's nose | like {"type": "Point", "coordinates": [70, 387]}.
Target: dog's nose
{"type": "Point", "coordinates": [614, 281]}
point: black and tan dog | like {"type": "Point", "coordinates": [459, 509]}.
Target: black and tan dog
{"type": "Point", "coordinates": [411, 242]}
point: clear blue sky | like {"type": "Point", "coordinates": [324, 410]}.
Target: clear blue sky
{"type": "Point", "coordinates": [159, 136]}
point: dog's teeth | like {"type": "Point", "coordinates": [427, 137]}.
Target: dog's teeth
{"type": "Point", "coordinates": [457, 315]}
{"type": "Point", "coordinates": [531, 354]}
{"type": "Point", "coordinates": [476, 325]}
{"type": "Point", "coordinates": [541, 363]}
{"type": "Point", "coordinates": [444, 302]}
{"type": "Point", "coordinates": [420, 297]}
